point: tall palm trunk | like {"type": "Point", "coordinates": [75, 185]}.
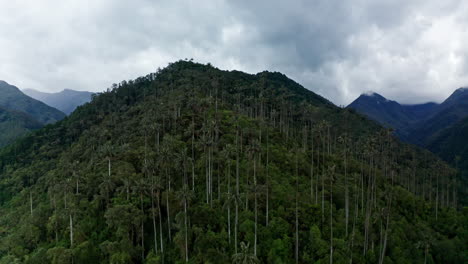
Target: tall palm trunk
{"type": "Point", "coordinates": [71, 231]}
{"type": "Point", "coordinates": [346, 191]}
{"type": "Point", "coordinates": [31, 203]}
{"type": "Point", "coordinates": [297, 214]}
{"type": "Point", "coordinates": [229, 202]}
{"type": "Point", "coordinates": [186, 231]}
{"type": "Point", "coordinates": [256, 214]}
{"type": "Point", "coordinates": [331, 218]}
{"type": "Point", "coordinates": [142, 228]}
{"type": "Point", "coordinates": [312, 169]}
{"type": "Point", "coordinates": [235, 226]}
{"type": "Point", "coordinates": [160, 224]}
{"type": "Point", "coordinates": [267, 182]}
{"type": "Point", "coordinates": [237, 191]}
{"type": "Point", "coordinates": [155, 235]}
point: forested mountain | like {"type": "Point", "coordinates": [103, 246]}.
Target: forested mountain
{"type": "Point", "coordinates": [20, 114]}
{"type": "Point", "coordinates": [194, 164]}
{"type": "Point", "coordinates": [451, 144]}
{"type": "Point", "coordinates": [13, 99]}
{"type": "Point", "coordinates": [66, 101]}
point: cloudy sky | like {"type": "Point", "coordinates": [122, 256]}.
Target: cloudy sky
{"type": "Point", "coordinates": [410, 51]}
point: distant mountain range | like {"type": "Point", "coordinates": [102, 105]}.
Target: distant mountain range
{"type": "Point", "coordinates": [24, 111]}
{"type": "Point", "coordinates": [66, 101]}
{"type": "Point", "coordinates": [12, 98]}
{"type": "Point", "coordinates": [20, 113]}
{"type": "Point", "coordinates": [441, 128]}
{"type": "Point", "coordinates": [419, 123]}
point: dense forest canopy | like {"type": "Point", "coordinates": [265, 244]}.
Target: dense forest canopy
{"type": "Point", "coordinates": [194, 164]}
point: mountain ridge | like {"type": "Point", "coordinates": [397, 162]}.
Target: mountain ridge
{"type": "Point", "coordinates": [66, 100]}
{"type": "Point", "coordinates": [12, 98]}
{"type": "Point", "coordinates": [390, 113]}
{"type": "Point", "coordinates": [196, 164]}
{"type": "Point", "coordinates": [417, 123]}
{"type": "Point", "coordinates": [20, 114]}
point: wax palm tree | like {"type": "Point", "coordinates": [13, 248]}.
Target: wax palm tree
{"type": "Point", "coordinates": [236, 200]}
{"type": "Point", "coordinates": [244, 256]}
{"type": "Point", "coordinates": [185, 196]}
{"type": "Point", "coordinates": [141, 189]}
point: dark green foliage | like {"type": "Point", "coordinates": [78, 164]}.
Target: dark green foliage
{"type": "Point", "coordinates": [15, 124]}
{"type": "Point", "coordinates": [452, 145]}
{"type": "Point", "coordinates": [198, 155]}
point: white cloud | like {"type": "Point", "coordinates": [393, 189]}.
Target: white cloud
{"type": "Point", "coordinates": [410, 51]}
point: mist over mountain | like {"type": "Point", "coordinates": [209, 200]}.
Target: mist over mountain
{"type": "Point", "coordinates": [66, 101]}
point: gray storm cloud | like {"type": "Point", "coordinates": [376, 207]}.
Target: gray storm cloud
{"type": "Point", "coordinates": [411, 51]}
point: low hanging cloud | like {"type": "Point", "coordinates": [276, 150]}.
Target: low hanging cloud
{"type": "Point", "coordinates": [410, 51]}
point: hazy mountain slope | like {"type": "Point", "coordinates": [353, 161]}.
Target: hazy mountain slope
{"type": "Point", "coordinates": [196, 164]}
{"type": "Point", "coordinates": [66, 101]}
{"type": "Point", "coordinates": [19, 114]}
{"type": "Point", "coordinates": [421, 112]}
{"type": "Point", "coordinates": [13, 99]}
{"type": "Point", "coordinates": [451, 111]}
{"type": "Point", "coordinates": [418, 123]}
{"type": "Point", "coordinates": [452, 142]}
{"type": "Point", "coordinates": [15, 124]}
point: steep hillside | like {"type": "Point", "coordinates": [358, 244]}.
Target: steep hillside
{"type": "Point", "coordinates": [421, 112]}
{"type": "Point", "coordinates": [66, 101]}
{"type": "Point", "coordinates": [13, 99]}
{"type": "Point", "coordinates": [15, 124]}
{"type": "Point", "coordinates": [452, 145]}
{"type": "Point", "coordinates": [451, 111]}
{"type": "Point", "coordinates": [193, 164]}
{"type": "Point", "coordinates": [20, 114]}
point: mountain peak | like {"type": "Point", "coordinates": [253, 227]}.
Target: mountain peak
{"type": "Point", "coordinates": [7, 86]}
{"type": "Point", "coordinates": [370, 94]}
{"type": "Point", "coordinates": [461, 90]}
{"type": "Point", "coordinates": [373, 96]}
{"type": "Point", "coordinates": [459, 95]}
